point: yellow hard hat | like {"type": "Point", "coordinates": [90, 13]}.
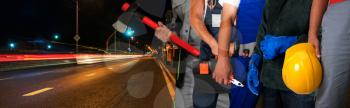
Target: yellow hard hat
{"type": "Point", "coordinates": [302, 71]}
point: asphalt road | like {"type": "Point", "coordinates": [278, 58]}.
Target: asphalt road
{"type": "Point", "coordinates": [129, 83]}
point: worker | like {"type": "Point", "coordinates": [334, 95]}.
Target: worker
{"type": "Point", "coordinates": [284, 23]}
{"type": "Point", "coordinates": [202, 96]}
{"type": "Point", "coordinates": [248, 20]}
{"type": "Point", "coordinates": [334, 52]}
{"type": "Point", "coordinates": [186, 80]}
{"type": "Point", "coordinates": [205, 18]}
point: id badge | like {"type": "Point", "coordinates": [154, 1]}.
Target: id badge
{"type": "Point", "coordinates": [215, 20]}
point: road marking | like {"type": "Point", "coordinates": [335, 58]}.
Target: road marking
{"type": "Point", "coordinates": [91, 74]}
{"type": "Point", "coordinates": [169, 84]}
{"type": "Point", "coordinates": [168, 73]}
{"type": "Point", "coordinates": [37, 92]}
{"type": "Point", "coordinates": [5, 78]}
{"type": "Point", "coordinates": [110, 68]}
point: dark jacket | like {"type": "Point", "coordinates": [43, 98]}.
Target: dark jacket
{"type": "Point", "coordinates": [282, 18]}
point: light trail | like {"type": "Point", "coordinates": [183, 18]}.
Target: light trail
{"type": "Point", "coordinates": [81, 58]}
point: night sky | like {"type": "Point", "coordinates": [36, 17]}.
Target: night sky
{"type": "Point", "coordinates": [23, 20]}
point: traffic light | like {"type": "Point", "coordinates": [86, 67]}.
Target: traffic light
{"type": "Point", "coordinates": [129, 32]}
{"type": "Point", "coordinates": [12, 45]}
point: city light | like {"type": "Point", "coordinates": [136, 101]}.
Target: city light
{"type": "Point", "coordinates": [12, 45]}
{"type": "Point", "coordinates": [56, 37]}
{"type": "Point", "coordinates": [49, 46]}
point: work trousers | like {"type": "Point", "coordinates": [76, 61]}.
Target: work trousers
{"type": "Point", "coordinates": [335, 56]}
{"type": "Point", "coordinates": [274, 98]}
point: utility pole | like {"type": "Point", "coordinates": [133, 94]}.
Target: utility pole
{"type": "Point", "coordinates": [76, 37]}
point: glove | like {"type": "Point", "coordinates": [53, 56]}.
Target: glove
{"type": "Point", "coordinates": [252, 76]}
{"type": "Point", "coordinates": [273, 46]}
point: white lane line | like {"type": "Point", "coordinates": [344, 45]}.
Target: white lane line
{"type": "Point", "coordinates": [8, 78]}
{"type": "Point", "coordinates": [38, 91]}
{"type": "Point", "coordinates": [169, 84]}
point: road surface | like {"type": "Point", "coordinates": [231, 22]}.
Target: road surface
{"type": "Point", "coordinates": [129, 83]}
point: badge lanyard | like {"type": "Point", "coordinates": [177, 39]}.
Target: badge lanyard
{"type": "Point", "coordinates": [215, 18]}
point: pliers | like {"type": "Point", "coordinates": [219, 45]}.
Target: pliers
{"type": "Point", "coordinates": [237, 83]}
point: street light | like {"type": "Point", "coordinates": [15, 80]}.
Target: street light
{"type": "Point", "coordinates": [12, 45]}
{"type": "Point", "coordinates": [49, 46]}
{"type": "Point", "coordinates": [76, 37]}
{"type": "Point", "coordinates": [56, 37]}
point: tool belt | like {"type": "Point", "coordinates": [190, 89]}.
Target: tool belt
{"type": "Point", "coordinates": [203, 78]}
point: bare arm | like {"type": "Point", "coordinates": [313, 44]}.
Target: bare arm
{"type": "Point", "coordinates": [197, 23]}
{"type": "Point", "coordinates": [227, 17]}
{"type": "Point", "coordinates": [317, 10]}
{"type": "Point", "coordinates": [223, 71]}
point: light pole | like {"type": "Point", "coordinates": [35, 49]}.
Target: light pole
{"type": "Point", "coordinates": [131, 38]}
{"type": "Point", "coordinates": [115, 42]}
{"type": "Point", "coordinates": [76, 37]}
{"type": "Point", "coordinates": [114, 34]}
{"type": "Point", "coordinates": [129, 45]}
